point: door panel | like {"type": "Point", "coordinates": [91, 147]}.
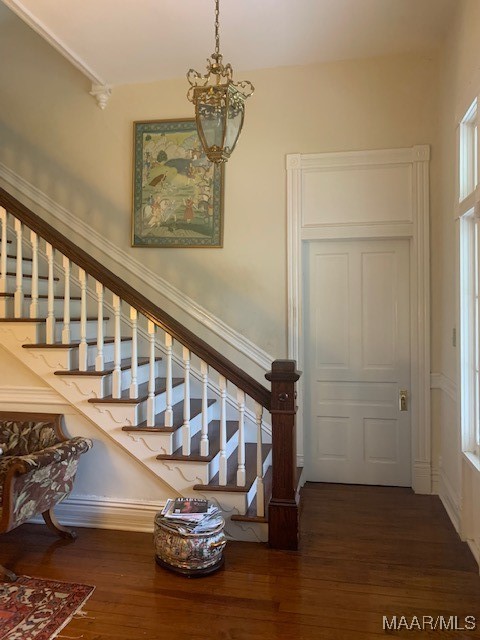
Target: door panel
{"type": "Point", "coordinates": [358, 359]}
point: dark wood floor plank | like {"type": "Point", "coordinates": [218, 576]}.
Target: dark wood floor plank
{"type": "Point", "coordinates": [365, 553]}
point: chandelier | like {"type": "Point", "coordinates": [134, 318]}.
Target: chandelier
{"type": "Point", "coordinates": [219, 103]}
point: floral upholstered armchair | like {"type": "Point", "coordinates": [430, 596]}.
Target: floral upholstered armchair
{"type": "Point", "coordinates": [38, 464]}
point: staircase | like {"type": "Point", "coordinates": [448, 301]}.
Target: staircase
{"type": "Point", "coordinates": [183, 410]}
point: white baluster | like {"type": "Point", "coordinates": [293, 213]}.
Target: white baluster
{"type": "Point", "coordinates": [83, 347]}
{"type": "Point", "coordinates": [168, 393]}
{"type": "Point", "coordinates": [66, 301]}
{"type": "Point", "coordinates": [186, 404]}
{"type": "Point", "coordinates": [34, 302]}
{"type": "Point", "coordinates": [3, 256]}
{"type": "Point", "coordinates": [151, 376]}
{"type": "Point", "coordinates": [134, 367]}
{"type": "Point", "coordinates": [99, 358]}
{"type": "Point", "coordinates": [117, 349]}
{"type": "Point", "coordinates": [18, 298]}
{"type": "Point", "coordinates": [260, 487]}
{"type": "Point", "coordinates": [204, 443]}
{"type": "Point", "coordinates": [222, 470]}
{"type": "Point", "coordinates": [241, 476]}
{"type": "Point", "coordinates": [50, 324]}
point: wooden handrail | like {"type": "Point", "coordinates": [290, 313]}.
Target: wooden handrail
{"type": "Point", "coordinates": [143, 305]}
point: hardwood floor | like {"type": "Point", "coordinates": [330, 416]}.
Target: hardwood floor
{"type": "Point", "coordinates": [366, 552]}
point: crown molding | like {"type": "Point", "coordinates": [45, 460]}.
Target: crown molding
{"type": "Point", "coordinates": [101, 91]}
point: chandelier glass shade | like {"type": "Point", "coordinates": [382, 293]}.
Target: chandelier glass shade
{"type": "Point", "coordinates": [219, 103]}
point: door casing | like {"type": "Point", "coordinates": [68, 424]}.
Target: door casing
{"type": "Point", "coordinates": [397, 176]}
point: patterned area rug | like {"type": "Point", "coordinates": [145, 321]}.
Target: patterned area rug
{"type": "Point", "coordinates": [35, 609]}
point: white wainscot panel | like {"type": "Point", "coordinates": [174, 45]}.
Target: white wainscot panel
{"type": "Point", "coordinates": [381, 440]}
{"type": "Point", "coordinates": [357, 195]}
{"type": "Point", "coordinates": [332, 438]}
{"type": "Point", "coordinates": [379, 311]}
{"type": "Point", "coordinates": [330, 313]}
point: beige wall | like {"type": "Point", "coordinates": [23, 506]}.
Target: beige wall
{"type": "Point", "coordinates": [14, 374]}
{"type": "Point", "coordinates": [55, 136]}
{"type": "Point", "coordinates": [460, 73]}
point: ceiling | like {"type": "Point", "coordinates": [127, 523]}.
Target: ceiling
{"type": "Point", "coordinates": [128, 41]}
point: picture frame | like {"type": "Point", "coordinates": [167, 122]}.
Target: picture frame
{"type": "Point", "coordinates": [177, 191]}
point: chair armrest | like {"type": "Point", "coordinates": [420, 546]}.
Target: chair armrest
{"type": "Point", "coordinates": [37, 482]}
{"type": "Point", "coordinates": [55, 454]}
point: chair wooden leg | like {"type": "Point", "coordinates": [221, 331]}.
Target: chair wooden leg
{"type": "Point", "coordinates": [53, 524]}
{"type": "Point", "coordinates": [7, 574]}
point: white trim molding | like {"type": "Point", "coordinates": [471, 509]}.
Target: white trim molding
{"type": "Point", "coordinates": [100, 89]}
{"type": "Point", "coordinates": [450, 499]}
{"type": "Point", "coordinates": [229, 335]}
{"type": "Point", "coordinates": [29, 395]}
{"type": "Point", "coordinates": [106, 513]}
{"type": "Point", "coordinates": [414, 226]}
{"type": "Point", "coordinates": [445, 384]}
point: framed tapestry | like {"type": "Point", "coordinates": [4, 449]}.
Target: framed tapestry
{"type": "Point", "coordinates": [177, 191]}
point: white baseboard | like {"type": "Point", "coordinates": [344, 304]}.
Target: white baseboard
{"type": "Point", "coordinates": [95, 512]}
{"type": "Point", "coordinates": [92, 237]}
{"type": "Point", "coordinates": [422, 477]}
{"type": "Point", "coordinates": [450, 500]}
{"type": "Point", "coordinates": [475, 549]}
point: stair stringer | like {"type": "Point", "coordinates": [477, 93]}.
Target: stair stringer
{"type": "Point", "coordinates": [179, 476]}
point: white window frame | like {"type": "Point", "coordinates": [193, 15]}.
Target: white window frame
{"type": "Point", "coordinates": [468, 213]}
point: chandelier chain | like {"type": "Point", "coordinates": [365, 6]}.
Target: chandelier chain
{"type": "Point", "coordinates": [217, 25]}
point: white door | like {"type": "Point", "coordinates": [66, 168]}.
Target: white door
{"type": "Point", "coordinates": [357, 357]}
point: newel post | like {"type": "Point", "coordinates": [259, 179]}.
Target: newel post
{"type": "Point", "coordinates": [283, 506]}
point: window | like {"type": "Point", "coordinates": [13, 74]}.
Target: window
{"type": "Point", "coordinates": [469, 212]}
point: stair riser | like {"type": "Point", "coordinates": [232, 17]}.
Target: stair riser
{"type": "Point", "coordinates": [108, 352]}
{"type": "Point", "coordinates": [105, 383]}
{"type": "Point", "coordinates": [235, 501]}
{"type": "Point", "coordinates": [167, 443]}
{"type": "Point", "coordinates": [246, 531]}
{"type": "Point", "coordinates": [160, 400]}
{"type": "Point", "coordinates": [43, 308]}
{"type": "Point", "coordinates": [135, 414]}
{"type": "Point", "coordinates": [27, 267]}
{"type": "Point", "coordinates": [213, 466]}
{"type": "Point", "coordinates": [195, 427]}
{"type": "Point", "coordinates": [91, 334]}
{"type": "Point", "coordinates": [27, 286]}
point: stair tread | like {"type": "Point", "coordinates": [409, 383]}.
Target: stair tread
{"type": "Point", "coordinates": [214, 440]}
{"type": "Point", "coordinates": [232, 464]}
{"type": "Point", "coordinates": [160, 387]}
{"type": "Point", "coordinates": [89, 319]}
{"type": "Point", "coordinates": [26, 275]}
{"type": "Point", "coordinates": [42, 296]}
{"type": "Point", "coordinates": [108, 367]}
{"type": "Point", "coordinates": [177, 409]}
{"type": "Point", "coordinates": [23, 258]}
{"type": "Point", "coordinates": [70, 345]}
